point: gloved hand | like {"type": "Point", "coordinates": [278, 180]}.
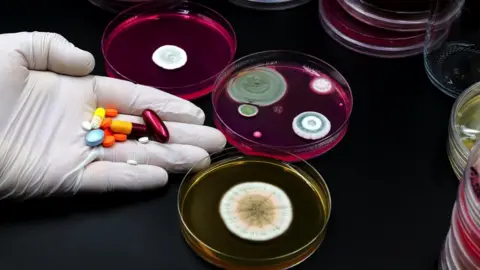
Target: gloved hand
{"type": "Point", "coordinates": [46, 94]}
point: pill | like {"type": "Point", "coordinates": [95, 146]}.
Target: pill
{"type": "Point", "coordinates": [143, 140]}
{"type": "Point", "coordinates": [155, 126]}
{"type": "Point", "coordinates": [120, 137]}
{"type": "Point", "coordinates": [97, 118]}
{"type": "Point", "coordinates": [128, 128]}
{"type": "Point", "coordinates": [108, 132]}
{"type": "Point", "coordinates": [108, 141]}
{"type": "Point", "coordinates": [95, 137]}
{"type": "Point", "coordinates": [132, 162]}
{"type": "Point", "coordinates": [86, 126]}
{"type": "Point", "coordinates": [106, 123]}
{"type": "Point", "coordinates": [111, 112]}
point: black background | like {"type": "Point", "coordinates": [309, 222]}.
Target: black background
{"type": "Point", "coordinates": [391, 183]}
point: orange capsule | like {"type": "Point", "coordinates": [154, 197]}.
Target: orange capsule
{"type": "Point", "coordinates": [108, 132]}
{"type": "Point", "coordinates": [111, 112]}
{"type": "Point", "coordinates": [106, 123]}
{"type": "Point", "coordinates": [108, 141]}
{"type": "Point", "coordinates": [120, 137]}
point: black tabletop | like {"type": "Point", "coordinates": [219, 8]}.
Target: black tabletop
{"type": "Point", "coordinates": [391, 183]}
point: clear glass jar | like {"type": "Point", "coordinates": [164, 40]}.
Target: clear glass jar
{"type": "Point", "coordinates": [453, 63]}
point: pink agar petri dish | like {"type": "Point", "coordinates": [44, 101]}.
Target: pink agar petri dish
{"type": "Point", "coordinates": [193, 42]}
{"type": "Point", "coordinates": [367, 39]}
{"type": "Point", "coordinates": [282, 100]}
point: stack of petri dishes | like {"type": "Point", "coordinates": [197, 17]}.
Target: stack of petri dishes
{"type": "Point", "coordinates": [462, 244]}
{"type": "Point", "coordinates": [253, 212]}
{"type": "Point", "coordinates": [178, 48]}
{"type": "Point", "coordinates": [269, 4]}
{"type": "Point", "coordinates": [388, 29]}
{"type": "Point", "coordinates": [464, 128]}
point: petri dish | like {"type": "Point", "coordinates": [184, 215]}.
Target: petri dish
{"type": "Point", "coordinates": [202, 211]}
{"type": "Point", "coordinates": [303, 104]}
{"type": "Point", "coordinates": [464, 128]}
{"type": "Point", "coordinates": [269, 4]}
{"type": "Point", "coordinates": [178, 48]}
{"type": "Point", "coordinates": [392, 15]}
{"type": "Point", "coordinates": [367, 39]}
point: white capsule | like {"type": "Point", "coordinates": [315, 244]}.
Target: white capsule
{"type": "Point", "coordinates": [143, 140]}
{"type": "Point", "coordinates": [169, 57]}
{"type": "Point", "coordinates": [96, 122]}
{"type": "Point", "coordinates": [311, 125]}
{"type": "Point", "coordinates": [132, 162]}
{"type": "Point", "coordinates": [256, 211]}
{"type": "Point", "coordinates": [86, 126]}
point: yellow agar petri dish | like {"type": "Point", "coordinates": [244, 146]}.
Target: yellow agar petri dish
{"type": "Point", "coordinates": [464, 128]}
{"type": "Point", "coordinates": [204, 230]}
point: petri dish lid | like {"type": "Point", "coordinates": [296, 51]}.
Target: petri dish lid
{"type": "Point", "coordinates": [203, 43]}
{"type": "Point", "coordinates": [367, 39]}
{"type": "Point", "coordinates": [404, 16]}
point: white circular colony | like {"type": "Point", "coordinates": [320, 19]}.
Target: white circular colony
{"type": "Point", "coordinates": [311, 125]}
{"type": "Point", "coordinates": [256, 211]}
{"type": "Point", "coordinates": [321, 85]}
{"type": "Point", "coordinates": [170, 57]}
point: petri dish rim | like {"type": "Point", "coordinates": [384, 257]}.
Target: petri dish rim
{"type": "Point", "coordinates": [362, 11]}
{"type": "Point", "coordinates": [318, 177]}
{"type": "Point", "coordinates": [172, 7]}
{"type": "Point", "coordinates": [244, 62]}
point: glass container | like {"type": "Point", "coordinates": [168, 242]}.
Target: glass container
{"type": "Point", "coordinates": [453, 64]}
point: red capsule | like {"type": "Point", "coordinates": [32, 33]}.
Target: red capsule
{"type": "Point", "coordinates": [156, 126]}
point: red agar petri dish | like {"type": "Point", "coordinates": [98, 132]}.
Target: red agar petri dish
{"type": "Point", "coordinates": [282, 100]}
{"type": "Point", "coordinates": [177, 48]}
{"type": "Point", "coordinates": [367, 39]}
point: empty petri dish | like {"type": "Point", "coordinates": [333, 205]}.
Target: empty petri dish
{"type": "Point", "coordinates": [179, 49]}
{"type": "Point", "coordinates": [367, 39]}
{"type": "Point", "coordinates": [253, 212]}
{"type": "Point", "coordinates": [269, 4]}
{"type": "Point", "coordinates": [392, 15]}
{"type": "Point", "coordinates": [464, 128]}
{"type": "Point", "coordinates": [303, 104]}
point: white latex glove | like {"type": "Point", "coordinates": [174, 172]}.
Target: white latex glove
{"type": "Point", "coordinates": [45, 95]}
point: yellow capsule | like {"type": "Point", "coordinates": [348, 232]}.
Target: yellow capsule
{"type": "Point", "coordinates": [121, 127]}
{"type": "Point", "coordinates": [98, 117]}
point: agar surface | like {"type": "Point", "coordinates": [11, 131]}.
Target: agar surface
{"type": "Point", "coordinates": [259, 86]}
{"type": "Point", "coordinates": [311, 125]}
{"type": "Point", "coordinates": [256, 211]}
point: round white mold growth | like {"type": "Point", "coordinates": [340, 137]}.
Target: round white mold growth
{"type": "Point", "coordinates": [321, 86]}
{"type": "Point", "coordinates": [311, 125]}
{"type": "Point", "coordinates": [256, 211]}
{"type": "Point", "coordinates": [169, 57]}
